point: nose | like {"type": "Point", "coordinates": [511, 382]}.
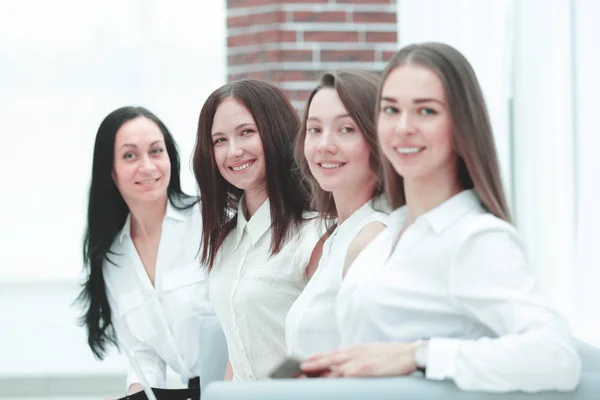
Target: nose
{"type": "Point", "coordinates": [235, 151]}
{"type": "Point", "coordinates": [147, 165]}
{"type": "Point", "coordinates": [405, 125]}
{"type": "Point", "coordinates": [326, 143]}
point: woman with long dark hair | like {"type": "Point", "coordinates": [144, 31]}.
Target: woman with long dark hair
{"type": "Point", "coordinates": [446, 288]}
{"type": "Point", "coordinates": [145, 288]}
{"type": "Point", "coordinates": [258, 235]}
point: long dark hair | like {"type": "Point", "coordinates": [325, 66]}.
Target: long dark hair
{"type": "Point", "coordinates": [357, 90]}
{"type": "Point", "coordinates": [278, 123]}
{"type": "Point", "coordinates": [472, 136]}
{"type": "Point", "coordinates": [106, 216]}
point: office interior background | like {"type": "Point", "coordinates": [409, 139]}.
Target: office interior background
{"type": "Point", "coordinates": [65, 64]}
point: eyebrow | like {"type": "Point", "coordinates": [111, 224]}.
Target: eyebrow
{"type": "Point", "coordinates": [135, 145]}
{"type": "Point", "coordinates": [240, 126]}
{"type": "Point", "coordinates": [415, 101]}
{"type": "Point", "coordinates": [338, 117]}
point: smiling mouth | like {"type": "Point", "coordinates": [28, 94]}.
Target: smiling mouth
{"type": "Point", "coordinates": [331, 165]}
{"type": "Point", "coordinates": [148, 182]}
{"type": "Point", "coordinates": [243, 166]}
{"type": "Point", "coordinates": [409, 150]}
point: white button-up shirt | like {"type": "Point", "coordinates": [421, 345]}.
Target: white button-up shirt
{"type": "Point", "coordinates": [458, 277]}
{"type": "Point", "coordinates": [161, 324]}
{"type": "Point", "coordinates": [310, 324]}
{"type": "Point", "coordinates": [252, 290]}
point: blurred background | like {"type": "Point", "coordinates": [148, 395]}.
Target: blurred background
{"type": "Point", "coordinates": [65, 64]}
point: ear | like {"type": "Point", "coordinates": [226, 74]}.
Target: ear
{"type": "Point", "coordinates": [113, 176]}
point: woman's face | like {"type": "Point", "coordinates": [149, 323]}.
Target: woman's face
{"type": "Point", "coordinates": [336, 150]}
{"type": "Point", "coordinates": [238, 147]}
{"type": "Point", "coordinates": [141, 169]}
{"type": "Point", "coordinates": [415, 125]}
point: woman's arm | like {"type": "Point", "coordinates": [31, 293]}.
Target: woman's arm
{"type": "Point", "coordinates": [360, 241]}
{"type": "Point", "coordinates": [532, 349]}
{"type": "Point", "coordinates": [228, 372]}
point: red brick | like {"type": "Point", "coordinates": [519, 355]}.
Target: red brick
{"type": "Point", "coordinates": [376, 17]}
{"type": "Point", "coordinates": [247, 3]}
{"type": "Point", "coordinates": [299, 95]}
{"type": "Point", "coordinates": [288, 36]}
{"type": "Point", "coordinates": [253, 57]}
{"type": "Point", "coordinates": [269, 56]}
{"type": "Point", "coordinates": [256, 19]}
{"type": "Point", "coordinates": [319, 36]}
{"type": "Point", "coordinates": [348, 55]}
{"type": "Point", "coordinates": [369, 2]}
{"type": "Point", "coordinates": [382, 37]}
{"type": "Point", "coordinates": [257, 38]}
{"type": "Point", "coordinates": [326, 16]}
{"type": "Point", "coordinates": [262, 75]}
{"type": "Point", "coordinates": [298, 76]}
{"type": "Point", "coordinates": [302, 2]}
{"type": "Point", "coordinates": [289, 55]}
{"type": "Point", "coordinates": [387, 55]}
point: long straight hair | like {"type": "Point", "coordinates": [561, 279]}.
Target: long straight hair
{"type": "Point", "coordinates": [277, 122]}
{"type": "Point", "coordinates": [107, 212]}
{"type": "Point", "coordinates": [358, 92]}
{"type": "Point", "coordinates": [472, 135]}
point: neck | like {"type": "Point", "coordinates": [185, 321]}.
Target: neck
{"type": "Point", "coordinates": [426, 194]}
{"type": "Point", "coordinates": [147, 218]}
{"type": "Point", "coordinates": [253, 199]}
{"type": "Point", "coordinates": [347, 203]}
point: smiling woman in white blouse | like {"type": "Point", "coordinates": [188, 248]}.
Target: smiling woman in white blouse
{"type": "Point", "coordinates": [337, 152]}
{"type": "Point", "coordinates": [446, 288]}
{"type": "Point", "coordinates": [258, 235]}
{"type": "Point", "coordinates": [145, 286]}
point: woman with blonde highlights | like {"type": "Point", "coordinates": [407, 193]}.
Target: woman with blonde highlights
{"type": "Point", "coordinates": [445, 289]}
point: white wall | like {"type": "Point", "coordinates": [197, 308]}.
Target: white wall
{"type": "Point", "coordinates": [538, 64]}
{"type": "Point", "coordinates": [586, 14]}
{"type": "Point", "coordinates": [64, 65]}
{"type": "Point", "coordinates": [480, 30]}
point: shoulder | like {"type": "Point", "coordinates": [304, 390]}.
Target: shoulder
{"type": "Point", "coordinates": [365, 236]}
{"type": "Point", "coordinates": [312, 226]}
{"type": "Point", "coordinates": [485, 229]}
{"type": "Point", "coordinates": [489, 251]}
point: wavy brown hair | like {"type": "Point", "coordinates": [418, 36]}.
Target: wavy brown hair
{"type": "Point", "coordinates": [277, 122]}
{"type": "Point", "coordinates": [473, 140]}
{"type": "Point", "coordinates": [357, 90]}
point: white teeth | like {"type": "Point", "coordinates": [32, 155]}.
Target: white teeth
{"type": "Point", "coordinates": [243, 166]}
{"type": "Point", "coordinates": [330, 165]}
{"type": "Point", "coordinates": [408, 150]}
{"type": "Point", "coordinates": [149, 182]}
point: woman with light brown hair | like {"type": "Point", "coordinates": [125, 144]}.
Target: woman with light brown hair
{"type": "Point", "coordinates": [337, 153]}
{"type": "Point", "coordinates": [446, 288]}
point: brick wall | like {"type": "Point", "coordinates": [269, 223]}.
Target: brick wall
{"type": "Point", "coordinates": [291, 43]}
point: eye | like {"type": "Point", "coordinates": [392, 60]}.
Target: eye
{"type": "Point", "coordinates": [347, 129]}
{"type": "Point", "coordinates": [158, 150]}
{"type": "Point", "coordinates": [218, 141]}
{"type": "Point", "coordinates": [129, 155]}
{"type": "Point", "coordinates": [247, 132]}
{"type": "Point", "coordinates": [427, 111]}
{"type": "Point", "coordinates": [313, 130]}
{"type": "Point", "coordinates": [389, 110]}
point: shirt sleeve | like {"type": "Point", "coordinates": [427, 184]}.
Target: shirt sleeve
{"type": "Point", "coordinates": [153, 367]}
{"type": "Point", "coordinates": [530, 347]}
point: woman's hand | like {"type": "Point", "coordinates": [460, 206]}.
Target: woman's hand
{"type": "Point", "coordinates": [377, 359]}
